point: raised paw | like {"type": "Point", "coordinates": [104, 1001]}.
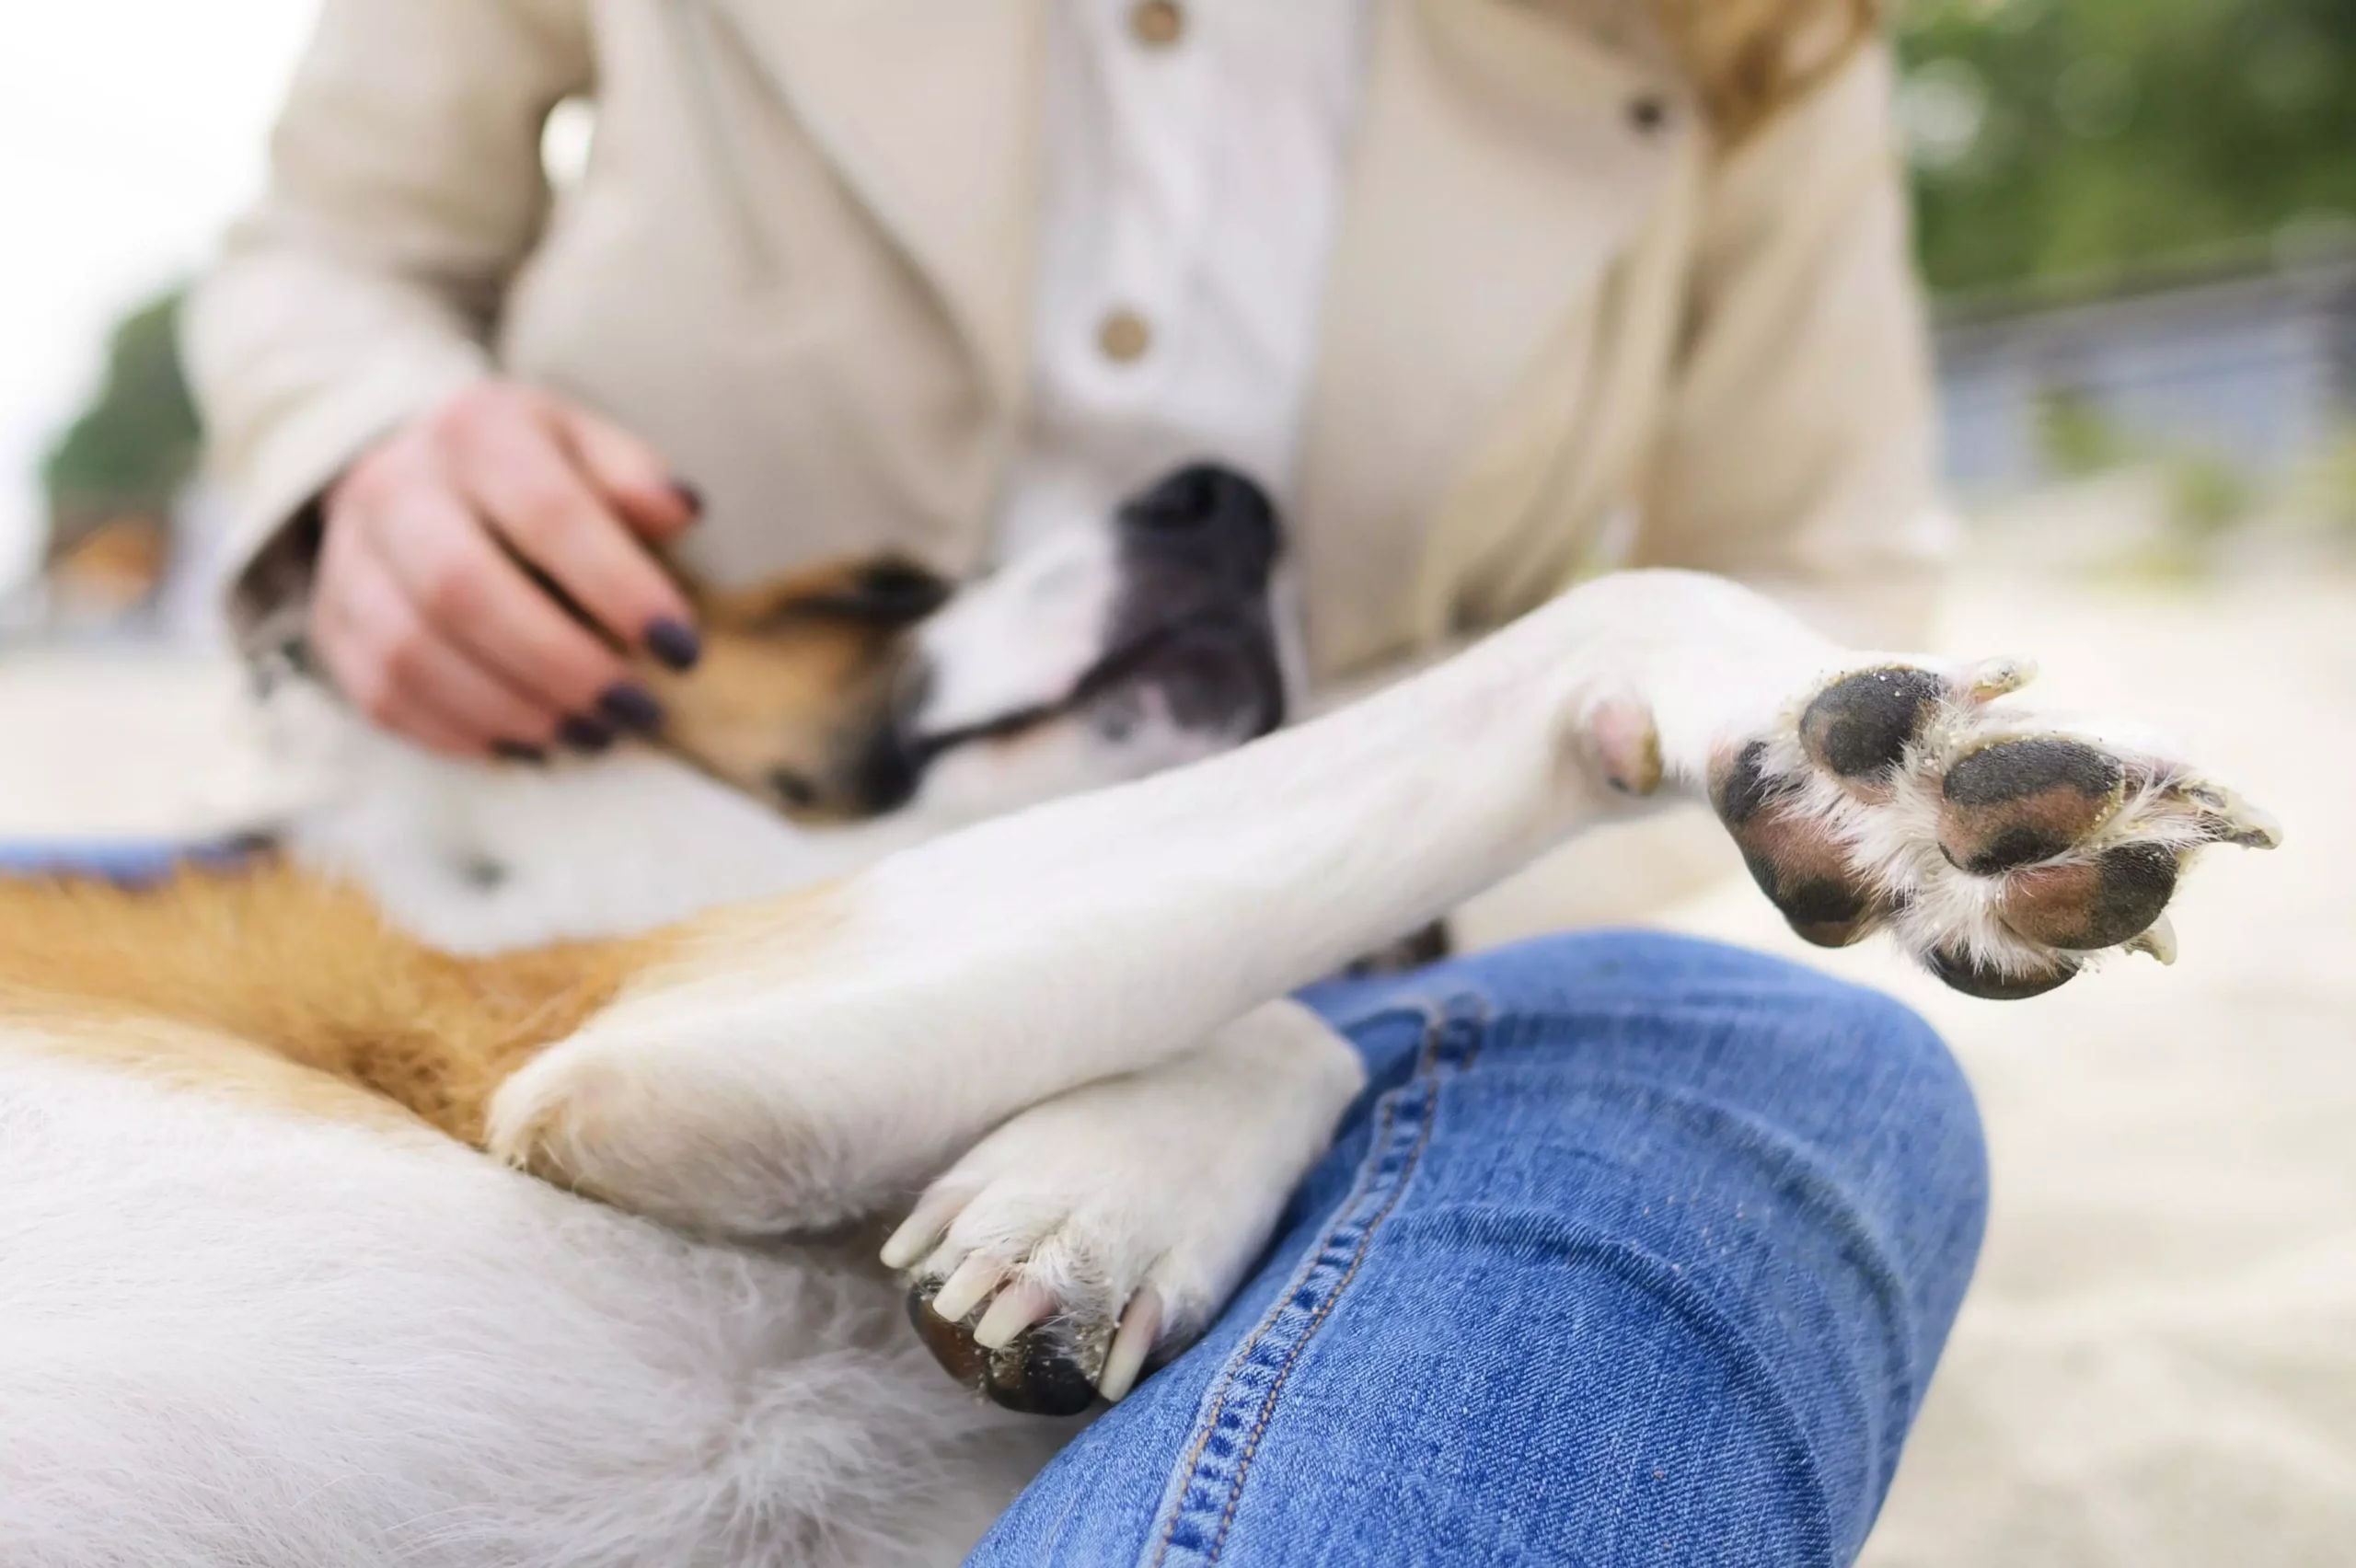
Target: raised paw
{"type": "Point", "coordinates": [2002, 850]}
{"type": "Point", "coordinates": [1092, 1237]}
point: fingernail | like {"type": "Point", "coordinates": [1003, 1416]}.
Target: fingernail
{"type": "Point", "coordinates": [631, 707]}
{"type": "Point", "coordinates": [674, 644]}
{"type": "Point", "coordinates": [690, 495]}
{"type": "Point", "coordinates": [584, 734]}
{"type": "Point", "coordinates": [516, 751]}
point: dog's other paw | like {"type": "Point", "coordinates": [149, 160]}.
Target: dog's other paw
{"type": "Point", "coordinates": [1095, 1234]}
{"type": "Point", "coordinates": [2001, 849]}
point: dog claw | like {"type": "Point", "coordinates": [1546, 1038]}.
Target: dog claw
{"type": "Point", "coordinates": [963, 1290]}
{"type": "Point", "coordinates": [1993, 678]}
{"type": "Point", "coordinates": [2158, 939]}
{"type": "Point", "coordinates": [907, 1246]}
{"type": "Point", "coordinates": [1140, 1326]}
{"type": "Point", "coordinates": [2236, 820]}
{"type": "Point", "coordinates": [1017, 1308]}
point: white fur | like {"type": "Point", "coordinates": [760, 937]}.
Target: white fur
{"type": "Point", "coordinates": [232, 1335]}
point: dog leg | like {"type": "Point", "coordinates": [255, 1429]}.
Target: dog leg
{"type": "Point", "coordinates": [1112, 1222]}
{"type": "Point", "coordinates": [792, 1068]}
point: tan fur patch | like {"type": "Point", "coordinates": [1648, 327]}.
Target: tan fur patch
{"type": "Point", "coordinates": [795, 682]}
{"type": "Point", "coordinates": [275, 963]}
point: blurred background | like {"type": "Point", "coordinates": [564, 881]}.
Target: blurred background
{"type": "Point", "coordinates": [2138, 221]}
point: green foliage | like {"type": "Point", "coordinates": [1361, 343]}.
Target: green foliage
{"type": "Point", "coordinates": [2074, 437]}
{"type": "Point", "coordinates": [2057, 139]}
{"type": "Point", "coordinates": [2207, 495]}
{"type": "Point", "coordinates": [136, 445]}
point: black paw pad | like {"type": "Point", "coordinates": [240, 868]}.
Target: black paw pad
{"type": "Point", "coordinates": [2098, 903]}
{"type": "Point", "coordinates": [1034, 1375]}
{"type": "Point", "coordinates": [2016, 802]}
{"type": "Point", "coordinates": [1858, 727]}
{"type": "Point", "coordinates": [1825, 911]}
{"type": "Point", "coordinates": [1742, 789]}
{"type": "Point", "coordinates": [1976, 979]}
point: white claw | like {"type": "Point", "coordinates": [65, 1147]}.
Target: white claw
{"type": "Point", "coordinates": [917, 1234]}
{"type": "Point", "coordinates": [2158, 939]}
{"type": "Point", "coordinates": [2253, 827]}
{"type": "Point", "coordinates": [1140, 1326]}
{"type": "Point", "coordinates": [962, 1291]}
{"type": "Point", "coordinates": [1017, 1306]}
{"type": "Point", "coordinates": [1992, 678]}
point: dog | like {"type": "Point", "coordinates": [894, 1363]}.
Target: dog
{"type": "Point", "coordinates": [329, 1243]}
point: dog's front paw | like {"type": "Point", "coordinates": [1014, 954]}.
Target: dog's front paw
{"type": "Point", "coordinates": [2001, 849]}
{"type": "Point", "coordinates": [1094, 1235]}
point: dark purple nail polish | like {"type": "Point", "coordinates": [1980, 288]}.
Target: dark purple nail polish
{"type": "Point", "coordinates": [689, 494]}
{"type": "Point", "coordinates": [584, 734]}
{"type": "Point", "coordinates": [674, 644]}
{"type": "Point", "coordinates": [632, 708]}
{"type": "Point", "coordinates": [517, 751]}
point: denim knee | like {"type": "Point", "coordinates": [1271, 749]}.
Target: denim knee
{"type": "Point", "coordinates": [1787, 1044]}
{"type": "Point", "coordinates": [1856, 1075]}
{"type": "Point", "coordinates": [1809, 1147]}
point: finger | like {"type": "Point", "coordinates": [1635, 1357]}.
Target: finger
{"type": "Point", "coordinates": [631, 475]}
{"type": "Point", "coordinates": [414, 668]}
{"type": "Point", "coordinates": [346, 645]}
{"type": "Point", "coordinates": [523, 480]}
{"type": "Point", "coordinates": [464, 586]}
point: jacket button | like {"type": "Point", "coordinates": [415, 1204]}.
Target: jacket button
{"type": "Point", "coordinates": [1647, 112]}
{"type": "Point", "coordinates": [1157, 23]}
{"type": "Point", "coordinates": [1123, 337]}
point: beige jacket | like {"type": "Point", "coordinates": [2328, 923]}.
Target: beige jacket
{"type": "Point", "coordinates": [1561, 331]}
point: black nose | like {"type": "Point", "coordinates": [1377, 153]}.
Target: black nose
{"type": "Point", "coordinates": [1210, 514]}
{"type": "Point", "coordinates": [886, 774]}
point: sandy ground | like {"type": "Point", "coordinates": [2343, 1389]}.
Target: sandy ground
{"type": "Point", "coordinates": [2157, 1366]}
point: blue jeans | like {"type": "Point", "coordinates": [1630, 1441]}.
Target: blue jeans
{"type": "Point", "coordinates": [1636, 1250]}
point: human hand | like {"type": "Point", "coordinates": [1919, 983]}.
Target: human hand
{"type": "Point", "coordinates": [425, 612]}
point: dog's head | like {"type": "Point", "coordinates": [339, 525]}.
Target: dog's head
{"type": "Point", "coordinates": [1106, 652]}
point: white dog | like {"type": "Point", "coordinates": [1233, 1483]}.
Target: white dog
{"type": "Point", "coordinates": [264, 1304]}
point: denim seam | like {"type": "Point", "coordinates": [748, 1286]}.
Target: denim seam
{"type": "Point", "coordinates": [1438, 1022]}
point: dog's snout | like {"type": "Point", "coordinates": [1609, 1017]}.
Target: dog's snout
{"type": "Point", "coordinates": [1213, 515]}
{"type": "Point", "coordinates": [887, 773]}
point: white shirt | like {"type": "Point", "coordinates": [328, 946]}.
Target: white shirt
{"type": "Point", "coordinates": [1195, 156]}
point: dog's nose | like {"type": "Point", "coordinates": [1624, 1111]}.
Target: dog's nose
{"type": "Point", "coordinates": [1211, 515]}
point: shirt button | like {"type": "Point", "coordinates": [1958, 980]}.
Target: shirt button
{"type": "Point", "coordinates": [1123, 337]}
{"type": "Point", "coordinates": [1157, 23]}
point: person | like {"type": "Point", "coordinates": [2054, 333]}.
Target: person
{"type": "Point", "coordinates": [1637, 1250]}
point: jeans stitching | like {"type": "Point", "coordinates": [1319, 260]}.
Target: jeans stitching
{"type": "Point", "coordinates": [1217, 1401]}
{"type": "Point", "coordinates": [1438, 1021]}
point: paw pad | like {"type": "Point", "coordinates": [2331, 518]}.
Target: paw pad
{"type": "Point", "coordinates": [1987, 982]}
{"type": "Point", "coordinates": [1858, 727]}
{"type": "Point", "coordinates": [2016, 802]}
{"type": "Point", "coordinates": [2086, 905]}
{"type": "Point", "coordinates": [1899, 799]}
{"type": "Point", "coordinates": [1796, 860]}
{"type": "Point", "coordinates": [1032, 1374]}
